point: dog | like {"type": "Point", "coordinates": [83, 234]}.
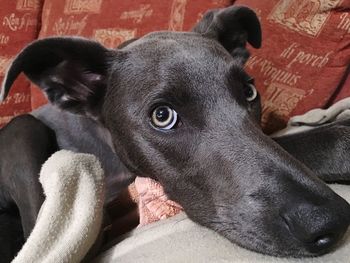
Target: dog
{"type": "Point", "coordinates": [25, 144]}
{"type": "Point", "coordinates": [179, 107]}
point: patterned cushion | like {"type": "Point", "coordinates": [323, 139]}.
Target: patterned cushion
{"type": "Point", "coordinates": [18, 26]}
{"type": "Point", "coordinates": [304, 56]}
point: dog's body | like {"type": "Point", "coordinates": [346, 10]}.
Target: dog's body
{"type": "Point", "coordinates": [22, 154]}
{"type": "Point", "coordinates": [325, 150]}
{"type": "Point", "coordinates": [212, 157]}
{"type": "Point", "coordinates": [37, 136]}
{"type": "Point", "coordinates": [82, 134]}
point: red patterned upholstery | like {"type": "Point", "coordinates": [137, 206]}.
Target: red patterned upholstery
{"type": "Point", "coordinates": [305, 53]}
{"type": "Point", "coordinates": [19, 25]}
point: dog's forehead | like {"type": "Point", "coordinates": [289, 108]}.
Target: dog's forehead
{"type": "Point", "coordinates": [176, 65]}
{"type": "Point", "coordinates": [177, 55]}
{"type": "Point", "coordinates": [165, 44]}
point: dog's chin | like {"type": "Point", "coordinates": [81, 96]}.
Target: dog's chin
{"type": "Point", "coordinates": [286, 252]}
{"type": "Point", "coordinates": [272, 243]}
{"type": "Point", "coordinates": [275, 250]}
{"type": "Point", "coordinates": [268, 246]}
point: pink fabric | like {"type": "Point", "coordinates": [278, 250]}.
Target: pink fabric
{"type": "Point", "coordinates": [153, 202]}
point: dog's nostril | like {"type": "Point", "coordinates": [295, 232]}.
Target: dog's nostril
{"type": "Point", "coordinates": [317, 243]}
{"type": "Point", "coordinates": [316, 229]}
{"type": "Point", "coordinates": [324, 241]}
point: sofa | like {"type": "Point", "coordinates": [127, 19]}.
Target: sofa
{"type": "Point", "coordinates": [303, 63]}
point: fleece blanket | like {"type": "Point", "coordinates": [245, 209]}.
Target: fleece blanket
{"type": "Point", "coordinates": [70, 217]}
{"type": "Point", "coordinates": [316, 117]}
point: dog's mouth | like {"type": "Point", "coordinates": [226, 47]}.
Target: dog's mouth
{"type": "Point", "coordinates": [301, 230]}
{"type": "Point", "coordinates": [276, 238]}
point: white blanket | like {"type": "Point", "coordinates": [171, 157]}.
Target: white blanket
{"type": "Point", "coordinates": [316, 117]}
{"type": "Point", "coordinates": [70, 218]}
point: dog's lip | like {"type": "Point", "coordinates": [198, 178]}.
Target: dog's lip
{"type": "Point", "coordinates": [270, 246]}
{"type": "Point", "coordinates": [264, 247]}
{"type": "Point", "coordinates": [260, 247]}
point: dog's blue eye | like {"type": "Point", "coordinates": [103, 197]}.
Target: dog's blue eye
{"type": "Point", "coordinates": [164, 117]}
{"type": "Point", "coordinates": [250, 92]}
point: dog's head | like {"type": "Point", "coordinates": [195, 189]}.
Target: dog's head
{"type": "Point", "coordinates": [181, 109]}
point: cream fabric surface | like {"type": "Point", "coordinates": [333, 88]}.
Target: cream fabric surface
{"type": "Point", "coordinates": [316, 117]}
{"type": "Point", "coordinates": [179, 240]}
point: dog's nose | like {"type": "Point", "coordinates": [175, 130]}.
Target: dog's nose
{"type": "Point", "coordinates": [318, 229]}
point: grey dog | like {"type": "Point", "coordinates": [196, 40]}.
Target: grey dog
{"type": "Point", "coordinates": [179, 107]}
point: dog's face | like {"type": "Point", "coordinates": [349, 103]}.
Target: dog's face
{"type": "Point", "coordinates": [181, 109]}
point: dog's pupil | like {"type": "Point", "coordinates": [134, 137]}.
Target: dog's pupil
{"type": "Point", "coordinates": [162, 114]}
{"type": "Point", "coordinates": [249, 92]}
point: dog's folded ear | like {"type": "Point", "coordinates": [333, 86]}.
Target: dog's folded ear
{"type": "Point", "coordinates": [71, 71]}
{"type": "Point", "coordinates": [232, 27]}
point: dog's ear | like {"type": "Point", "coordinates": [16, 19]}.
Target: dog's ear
{"type": "Point", "coordinates": [71, 71]}
{"type": "Point", "coordinates": [232, 27]}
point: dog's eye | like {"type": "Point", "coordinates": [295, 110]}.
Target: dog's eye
{"type": "Point", "coordinates": [164, 117]}
{"type": "Point", "coordinates": [250, 92]}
